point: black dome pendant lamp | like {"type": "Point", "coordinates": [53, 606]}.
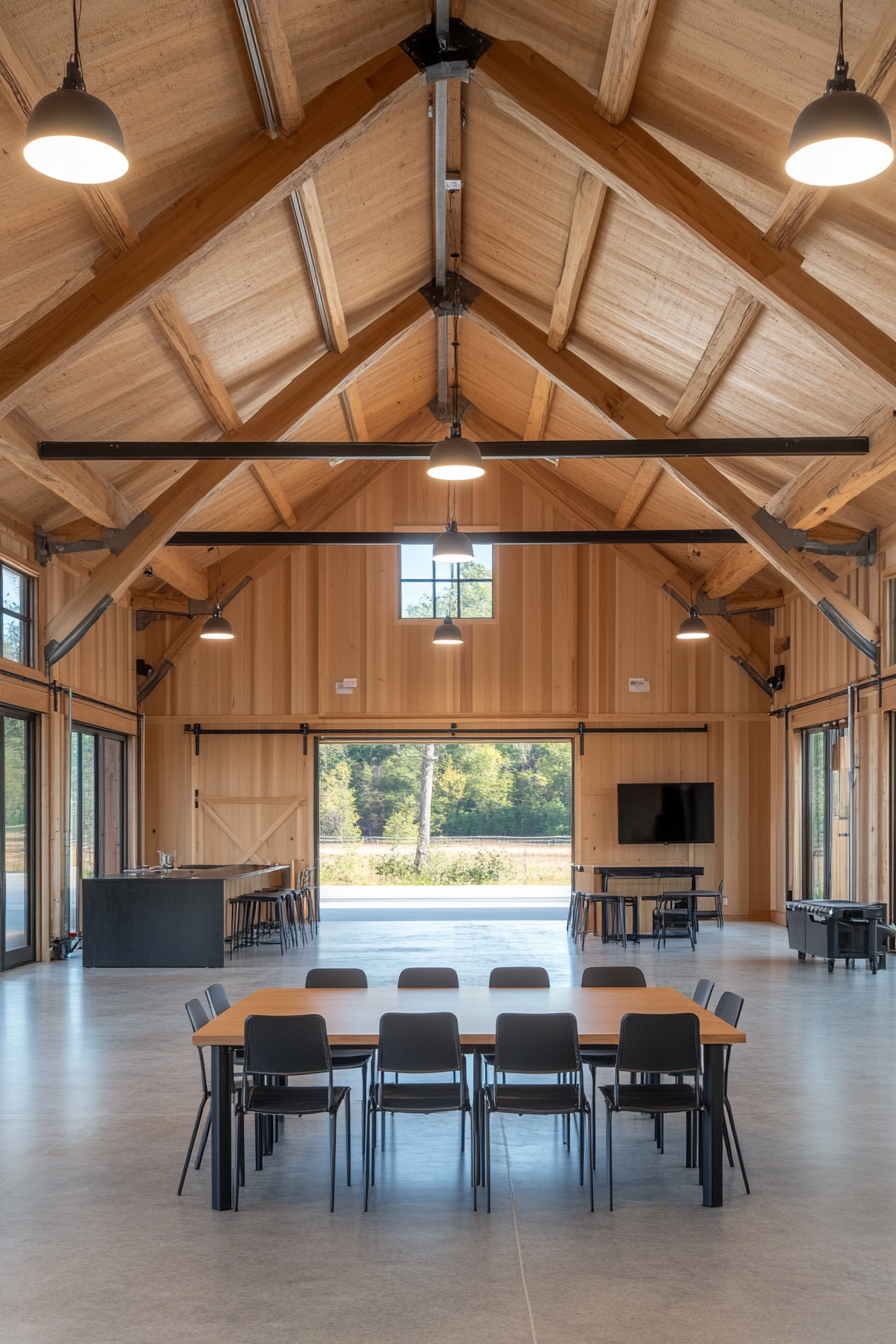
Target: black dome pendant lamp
{"type": "Point", "coordinates": [73, 136]}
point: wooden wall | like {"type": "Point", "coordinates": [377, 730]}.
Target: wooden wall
{"type": "Point", "coordinates": [101, 668]}
{"type": "Point", "coordinates": [571, 626]}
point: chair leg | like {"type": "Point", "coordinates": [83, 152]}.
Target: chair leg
{"type": "Point", "coordinates": [240, 1163]}
{"type": "Point", "coordinates": [348, 1137]}
{"type": "Point", "coordinates": [183, 1174]}
{"type": "Point", "coordinates": [203, 1141]}
{"type": "Point", "coordinates": [740, 1158]}
{"type": "Point", "coordinates": [475, 1157]}
{"type": "Point", "coordinates": [582, 1147]}
{"type": "Point", "coordinates": [368, 1148]}
{"type": "Point", "coordinates": [610, 1154]}
{"type": "Point", "coordinates": [363, 1105]}
{"type": "Point", "coordinates": [591, 1164]}
{"type": "Point", "coordinates": [488, 1160]}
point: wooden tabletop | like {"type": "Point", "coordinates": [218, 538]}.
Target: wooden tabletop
{"type": "Point", "coordinates": [353, 1015]}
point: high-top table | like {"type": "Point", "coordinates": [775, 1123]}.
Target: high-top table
{"type": "Point", "coordinates": [353, 1016]}
{"type": "Point", "coordinates": [635, 872]}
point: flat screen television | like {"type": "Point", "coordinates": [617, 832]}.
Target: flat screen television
{"type": "Point", "coordinates": [666, 814]}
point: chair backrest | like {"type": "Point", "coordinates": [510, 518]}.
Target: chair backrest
{"type": "Point", "coordinates": [703, 993]}
{"type": "Point", "coordinates": [659, 1043]}
{"type": "Point", "coordinates": [217, 999]}
{"type": "Point", "coordinates": [285, 1045]}
{"type": "Point", "coordinates": [419, 1043]}
{"type": "Point", "coordinates": [537, 1043]}
{"type": "Point", "coordinates": [729, 1008]}
{"type": "Point", "coordinates": [613, 977]}
{"type": "Point", "coordinates": [329, 977]}
{"type": "Point", "coordinates": [519, 977]}
{"type": "Point", "coordinates": [197, 1014]}
{"type": "Point", "coordinates": [428, 977]}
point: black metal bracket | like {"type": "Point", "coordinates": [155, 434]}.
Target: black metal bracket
{"type": "Point", "coordinates": [455, 60]}
{"type": "Point", "coordinates": [453, 300]}
{"type": "Point", "coordinates": [304, 728]}
{"type": "Point", "coordinates": [114, 539]}
{"type": "Point", "coordinates": [795, 539]}
{"type": "Point", "coordinates": [196, 730]}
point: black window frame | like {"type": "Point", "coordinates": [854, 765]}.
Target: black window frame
{"type": "Point", "coordinates": [457, 582]}
{"type": "Point", "coordinates": [82, 730]}
{"type": "Point", "coordinates": [26, 618]}
{"type": "Point", "coordinates": [20, 956]}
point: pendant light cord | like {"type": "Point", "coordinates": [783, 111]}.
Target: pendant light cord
{"type": "Point", "coordinates": [841, 60]}
{"type": "Point", "coordinates": [76, 18]}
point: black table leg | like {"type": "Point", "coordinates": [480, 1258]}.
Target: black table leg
{"type": "Point", "coordinates": [222, 1077]}
{"type": "Point", "coordinates": [713, 1123]}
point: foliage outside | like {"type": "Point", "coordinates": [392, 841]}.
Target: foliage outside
{"type": "Point", "coordinates": [481, 789]}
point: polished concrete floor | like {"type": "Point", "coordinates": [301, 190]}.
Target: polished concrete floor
{"type": "Point", "coordinates": [99, 1085]}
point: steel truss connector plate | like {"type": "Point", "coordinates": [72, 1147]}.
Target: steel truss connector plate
{"type": "Point", "coordinates": [455, 61]}
{"type": "Point", "coordinates": [451, 301]}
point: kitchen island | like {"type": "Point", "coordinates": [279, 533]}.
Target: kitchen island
{"type": "Point", "coordinates": [170, 917]}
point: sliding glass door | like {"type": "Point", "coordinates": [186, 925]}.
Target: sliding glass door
{"type": "Point", "coordinates": [17, 839]}
{"type": "Point", "coordinates": [825, 814]}
{"type": "Point", "coordinates": [98, 810]}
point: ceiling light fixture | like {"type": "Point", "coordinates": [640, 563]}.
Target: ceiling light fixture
{"type": "Point", "coordinates": [692, 627]}
{"type": "Point", "coordinates": [841, 137]}
{"type": "Point", "coordinates": [452, 547]}
{"type": "Point", "coordinates": [217, 626]}
{"type": "Point", "coordinates": [455, 458]}
{"type": "Point", "coordinates": [73, 136]}
{"type": "Point", "coordinates": [447, 633]}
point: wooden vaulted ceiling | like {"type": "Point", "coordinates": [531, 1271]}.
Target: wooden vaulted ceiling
{"type": "Point", "coordinates": [662, 277]}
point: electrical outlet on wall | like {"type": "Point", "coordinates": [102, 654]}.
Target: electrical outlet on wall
{"type": "Point", "coordinates": [640, 685]}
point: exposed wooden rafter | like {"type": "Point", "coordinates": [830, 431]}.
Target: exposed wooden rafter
{"type": "Point", "coordinates": [540, 407]}
{"type": "Point", "coordinates": [275, 54]}
{"type": "Point", "coordinates": [269, 483]}
{"type": "Point", "coordinates": [353, 410]}
{"type": "Point", "coordinates": [625, 52]}
{"type": "Point", "coordinates": [532, 91]}
{"type": "Point", "coordinates": [589, 202]}
{"type": "Point", "coordinates": [644, 480]}
{"type": "Point", "coordinates": [258, 176]}
{"type": "Point", "coordinates": [740, 313]}
{"type": "Point", "coordinates": [195, 362]}
{"type": "Point", "coordinates": [323, 262]}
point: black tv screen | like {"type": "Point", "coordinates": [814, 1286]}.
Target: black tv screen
{"type": "Point", "coordinates": [666, 814]}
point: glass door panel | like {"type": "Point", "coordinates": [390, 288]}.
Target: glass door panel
{"type": "Point", "coordinates": [16, 892]}
{"type": "Point", "coordinates": [826, 815]}
{"type": "Point", "coordinates": [98, 813]}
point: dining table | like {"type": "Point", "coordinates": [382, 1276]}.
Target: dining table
{"type": "Point", "coordinates": [352, 1017]}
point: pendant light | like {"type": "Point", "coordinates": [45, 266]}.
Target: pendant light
{"type": "Point", "coordinates": [452, 547]}
{"type": "Point", "coordinates": [841, 137]}
{"type": "Point", "coordinates": [455, 458]}
{"type": "Point", "coordinates": [693, 626]}
{"type": "Point", "coordinates": [217, 626]}
{"type": "Point", "coordinates": [73, 136]}
{"type": "Point", "coordinates": [447, 633]}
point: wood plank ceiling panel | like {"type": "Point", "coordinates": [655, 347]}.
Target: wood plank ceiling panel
{"type": "Point", "coordinates": [329, 40]}
{"type": "Point", "coordinates": [575, 36]}
{"type": "Point", "coordinates": [376, 202]}
{"type": "Point", "coordinates": [518, 200]}
{"type": "Point", "coordinates": [260, 331]}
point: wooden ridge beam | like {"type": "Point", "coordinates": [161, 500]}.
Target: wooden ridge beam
{"type": "Point", "coordinates": [538, 95]}
{"type": "Point", "coordinates": [741, 311]}
{"type": "Point", "coordinates": [875, 74]}
{"type": "Point", "coordinates": [715, 490]}
{"type": "Point", "coordinates": [814, 496]}
{"type": "Point", "coordinates": [625, 52]}
{"type": "Point", "coordinates": [256, 178]}
{"type": "Point", "coordinates": [24, 86]}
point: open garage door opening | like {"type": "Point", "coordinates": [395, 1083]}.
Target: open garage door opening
{"type": "Point", "coordinates": [443, 830]}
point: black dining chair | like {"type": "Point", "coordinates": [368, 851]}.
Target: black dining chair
{"type": "Point", "coordinates": [345, 1056]}
{"type": "Point", "coordinates": [703, 993]}
{"type": "Point", "coordinates": [597, 1057]}
{"type": "Point", "coordinates": [658, 1044]}
{"type": "Point", "coordinates": [428, 977]}
{"type": "Point", "coordinates": [674, 914]}
{"type": "Point", "coordinates": [417, 1043]}
{"type": "Point", "coordinates": [538, 1043]}
{"type": "Point", "coordinates": [280, 1047]}
{"type": "Point", "coordinates": [714, 911]}
{"type": "Point", "coordinates": [515, 977]}
{"type": "Point", "coordinates": [198, 1018]}
{"type": "Point", "coordinates": [729, 1009]}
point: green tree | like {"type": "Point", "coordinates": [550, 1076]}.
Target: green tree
{"type": "Point", "coordinates": [338, 814]}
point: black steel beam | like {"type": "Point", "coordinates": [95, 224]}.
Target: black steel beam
{"type": "Point", "coordinates": [665, 536]}
{"type": "Point", "coordinates": [224, 450]}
